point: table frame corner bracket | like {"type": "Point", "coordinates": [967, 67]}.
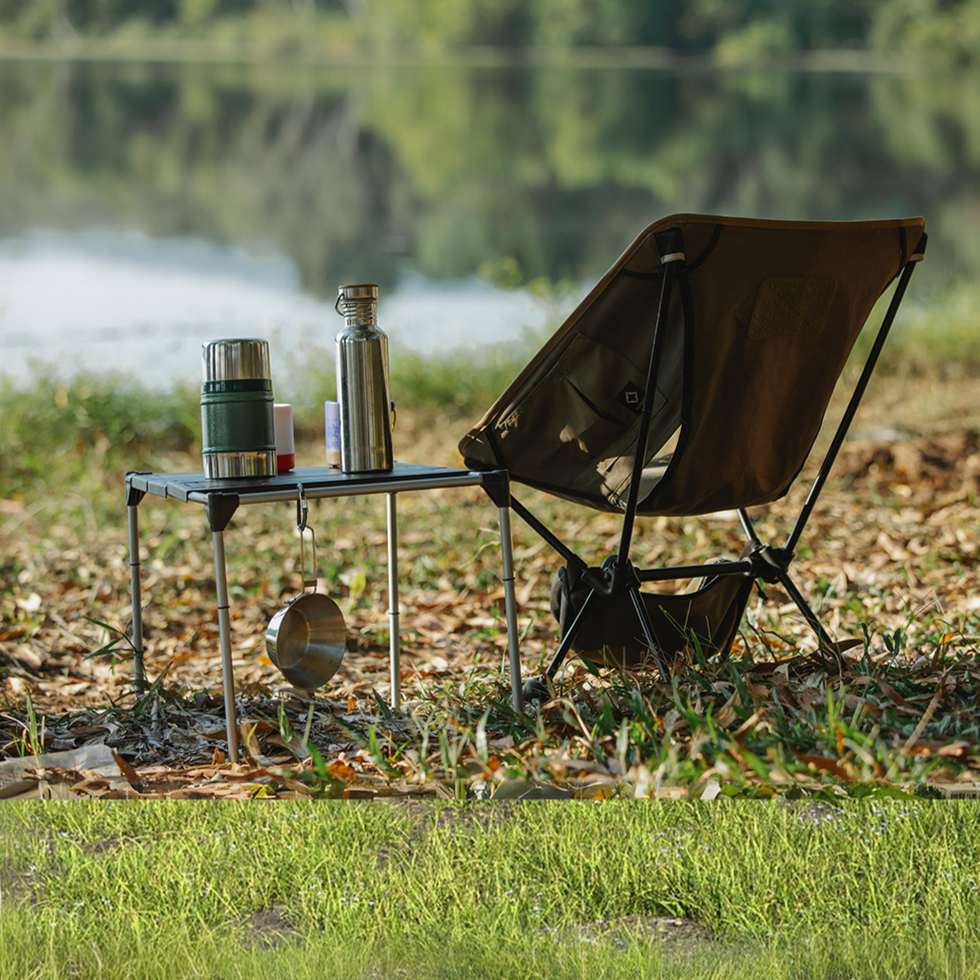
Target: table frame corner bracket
{"type": "Point", "coordinates": [496, 483]}
{"type": "Point", "coordinates": [220, 509]}
{"type": "Point", "coordinates": [133, 495]}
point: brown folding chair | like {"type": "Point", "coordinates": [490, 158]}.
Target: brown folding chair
{"type": "Point", "coordinates": [714, 344]}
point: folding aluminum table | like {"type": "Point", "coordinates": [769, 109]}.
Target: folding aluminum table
{"type": "Point", "coordinates": [222, 497]}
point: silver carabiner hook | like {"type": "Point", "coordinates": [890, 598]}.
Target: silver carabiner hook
{"type": "Point", "coordinates": [302, 512]}
{"type": "Point", "coordinates": [302, 508]}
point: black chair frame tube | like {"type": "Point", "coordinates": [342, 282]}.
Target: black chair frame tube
{"type": "Point", "coordinates": [852, 406]}
{"type": "Point", "coordinates": [646, 413]}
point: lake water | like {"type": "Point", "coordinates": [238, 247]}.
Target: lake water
{"type": "Point", "coordinates": [147, 209]}
{"type": "Point", "coordinates": [100, 300]}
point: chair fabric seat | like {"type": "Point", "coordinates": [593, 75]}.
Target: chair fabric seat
{"type": "Point", "coordinates": [757, 333]}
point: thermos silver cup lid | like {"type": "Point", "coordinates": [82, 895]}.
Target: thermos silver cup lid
{"type": "Point", "coordinates": [236, 360]}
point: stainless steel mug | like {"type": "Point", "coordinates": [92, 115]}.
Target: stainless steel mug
{"type": "Point", "coordinates": [308, 638]}
{"type": "Point", "coordinates": [237, 427]}
{"type": "Point", "coordinates": [363, 388]}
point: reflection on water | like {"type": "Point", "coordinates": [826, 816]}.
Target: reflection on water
{"type": "Point", "coordinates": [256, 190]}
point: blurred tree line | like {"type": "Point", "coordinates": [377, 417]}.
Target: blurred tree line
{"type": "Point", "coordinates": [359, 174]}
{"type": "Point", "coordinates": [731, 30]}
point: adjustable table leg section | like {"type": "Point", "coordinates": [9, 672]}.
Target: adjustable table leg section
{"type": "Point", "coordinates": [496, 483]}
{"type": "Point", "coordinates": [133, 498]}
{"type": "Point", "coordinates": [510, 604]}
{"type": "Point", "coordinates": [394, 642]}
{"type": "Point", "coordinates": [139, 671]}
{"type": "Point", "coordinates": [220, 507]}
{"type": "Point", "coordinates": [224, 631]}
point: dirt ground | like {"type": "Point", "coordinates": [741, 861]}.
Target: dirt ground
{"type": "Point", "coordinates": [893, 542]}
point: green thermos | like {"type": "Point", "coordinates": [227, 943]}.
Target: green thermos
{"type": "Point", "coordinates": [237, 427]}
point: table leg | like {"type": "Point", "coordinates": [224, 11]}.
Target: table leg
{"type": "Point", "coordinates": [510, 600]}
{"type": "Point", "coordinates": [139, 671]}
{"type": "Point", "coordinates": [393, 623]}
{"type": "Point", "coordinates": [224, 630]}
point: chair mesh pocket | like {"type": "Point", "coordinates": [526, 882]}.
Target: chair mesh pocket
{"type": "Point", "coordinates": [612, 635]}
{"type": "Point", "coordinates": [579, 415]}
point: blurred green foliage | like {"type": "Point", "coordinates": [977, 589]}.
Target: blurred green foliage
{"type": "Point", "coordinates": [947, 30]}
{"type": "Point", "coordinates": [524, 175]}
{"type": "Point", "coordinates": [56, 434]}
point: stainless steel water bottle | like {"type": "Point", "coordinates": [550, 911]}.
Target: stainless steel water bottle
{"type": "Point", "coordinates": [362, 383]}
{"type": "Point", "coordinates": [237, 429]}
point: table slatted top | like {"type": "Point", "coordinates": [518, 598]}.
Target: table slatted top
{"type": "Point", "coordinates": [317, 481]}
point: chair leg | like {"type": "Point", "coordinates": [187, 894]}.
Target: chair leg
{"type": "Point", "coordinates": [537, 687]}
{"type": "Point", "coordinates": [808, 614]}
{"type": "Point", "coordinates": [641, 612]}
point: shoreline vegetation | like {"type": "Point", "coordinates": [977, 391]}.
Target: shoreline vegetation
{"type": "Point", "coordinates": [299, 52]}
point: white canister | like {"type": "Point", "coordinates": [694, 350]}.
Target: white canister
{"type": "Point", "coordinates": [331, 418]}
{"type": "Point", "coordinates": [285, 446]}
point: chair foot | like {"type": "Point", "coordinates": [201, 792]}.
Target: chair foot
{"type": "Point", "coordinates": [537, 689]}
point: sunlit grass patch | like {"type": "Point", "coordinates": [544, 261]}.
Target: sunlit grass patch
{"type": "Point", "coordinates": [525, 890]}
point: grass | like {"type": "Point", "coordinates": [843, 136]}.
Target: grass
{"type": "Point", "coordinates": [529, 890]}
{"type": "Point", "coordinates": [815, 882]}
{"type": "Point", "coordinates": [684, 735]}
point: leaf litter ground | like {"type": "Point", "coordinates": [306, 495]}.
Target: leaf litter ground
{"type": "Point", "coordinates": [890, 561]}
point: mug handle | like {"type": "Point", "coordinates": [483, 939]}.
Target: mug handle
{"type": "Point", "coordinates": [302, 513]}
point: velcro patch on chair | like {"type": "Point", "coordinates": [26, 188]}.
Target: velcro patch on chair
{"type": "Point", "coordinates": [631, 397]}
{"type": "Point", "coordinates": [790, 306]}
